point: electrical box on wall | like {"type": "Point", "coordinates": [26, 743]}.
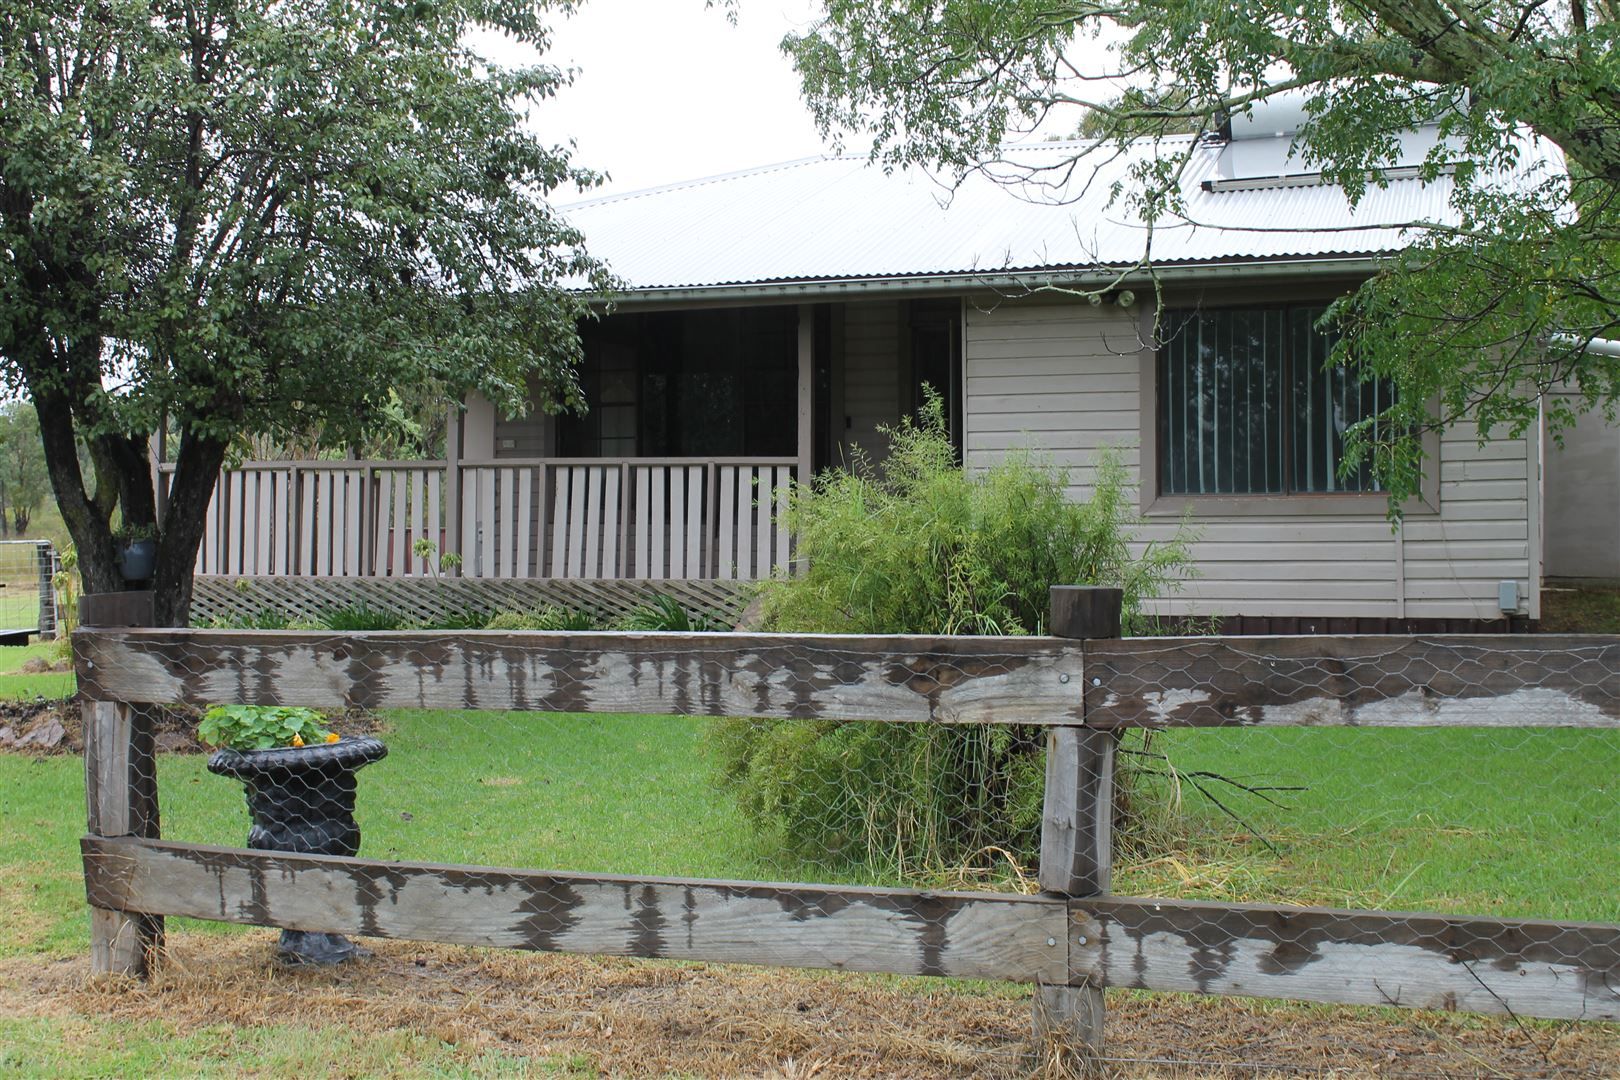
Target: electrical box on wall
{"type": "Point", "coordinates": [1507, 596]}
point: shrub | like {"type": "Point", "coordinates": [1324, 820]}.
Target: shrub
{"type": "Point", "coordinates": [263, 618]}
{"type": "Point", "coordinates": [921, 545]}
{"type": "Point", "coordinates": [362, 617]}
{"type": "Point", "coordinates": [552, 617]}
{"type": "Point", "coordinates": [465, 619]}
{"type": "Point", "coordinates": [665, 613]}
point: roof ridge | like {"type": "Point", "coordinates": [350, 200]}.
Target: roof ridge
{"type": "Point", "coordinates": [701, 181]}
{"type": "Point", "coordinates": [1095, 141]}
{"type": "Point", "coordinates": [814, 159]}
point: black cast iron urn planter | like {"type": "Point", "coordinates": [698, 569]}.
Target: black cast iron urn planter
{"type": "Point", "coordinates": [301, 799]}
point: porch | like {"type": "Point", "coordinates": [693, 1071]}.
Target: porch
{"type": "Point", "coordinates": [699, 422]}
{"type": "Point", "coordinates": [586, 518]}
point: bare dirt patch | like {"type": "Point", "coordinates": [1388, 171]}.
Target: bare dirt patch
{"type": "Point", "coordinates": [45, 727]}
{"type": "Point", "coordinates": [636, 1018]}
{"type": "Point", "coordinates": [42, 726]}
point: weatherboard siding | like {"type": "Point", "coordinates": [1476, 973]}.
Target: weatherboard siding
{"type": "Point", "coordinates": [529, 436]}
{"type": "Point", "coordinates": [1063, 379]}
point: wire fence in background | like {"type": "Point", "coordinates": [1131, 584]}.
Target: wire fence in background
{"type": "Point", "coordinates": [27, 598]}
{"type": "Point", "coordinates": [1233, 816]}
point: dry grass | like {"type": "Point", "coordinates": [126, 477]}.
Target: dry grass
{"type": "Point", "coordinates": [637, 1018]}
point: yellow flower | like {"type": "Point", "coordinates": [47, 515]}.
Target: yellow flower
{"type": "Point", "coordinates": [298, 740]}
{"type": "Point", "coordinates": [331, 736]}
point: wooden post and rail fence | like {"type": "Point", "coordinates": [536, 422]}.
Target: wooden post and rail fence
{"type": "Point", "coordinates": [1085, 685]}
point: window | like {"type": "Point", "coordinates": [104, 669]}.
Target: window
{"type": "Point", "coordinates": [688, 384]}
{"type": "Point", "coordinates": [1245, 407]}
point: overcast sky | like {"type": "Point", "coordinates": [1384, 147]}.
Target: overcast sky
{"type": "Point", "coordinates": [668, 90]}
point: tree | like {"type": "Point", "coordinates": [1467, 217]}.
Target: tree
{"type": "Point", "coordinates": [23, 482]}
{"type": "Point", "coordinates": [1475, 321]}
{"type": "Point", "coordinates": [260, 218]}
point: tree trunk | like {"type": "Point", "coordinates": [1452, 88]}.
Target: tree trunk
{"type": "Point", "coordinates": [124, 479]}
{"type": "Point", "coordinates": [91, 532]}
{"type": "Point", "coordinates": [185, 517]}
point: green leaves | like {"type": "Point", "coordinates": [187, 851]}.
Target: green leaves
{"type": "Point", "coordinates": [266, 219]}
{"type": "Point", "coordinates": [261, 727]}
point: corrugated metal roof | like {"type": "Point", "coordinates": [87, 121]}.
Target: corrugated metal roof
{"type": "Point", "coordinates": [830, 219]}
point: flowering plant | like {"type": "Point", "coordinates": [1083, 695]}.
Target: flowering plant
{"type": "Point", "coordinates": [262, 727]}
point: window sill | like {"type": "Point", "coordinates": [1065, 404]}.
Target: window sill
{"type": "Point", "coordinates": [1371, 505]}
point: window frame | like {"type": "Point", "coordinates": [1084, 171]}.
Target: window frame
{"type": "Point", "coordinates": [1287, 504]}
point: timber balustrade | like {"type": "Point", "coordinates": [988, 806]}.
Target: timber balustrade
{"type": "Point", "coordinates": [1084, 686]}
{"type": "Point", "coordinates": [646, 518]}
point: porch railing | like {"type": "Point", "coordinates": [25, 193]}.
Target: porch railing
{"type": "Point", "coordinates": [654, 518]}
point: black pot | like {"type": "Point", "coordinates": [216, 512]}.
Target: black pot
{"type": "Point", "coordinates": [301, 799]}
{"type": "Point", "coordinates": [138, 560]}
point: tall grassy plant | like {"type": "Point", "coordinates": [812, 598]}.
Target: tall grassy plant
{"type": "Point", "coordinates": [921, 545]}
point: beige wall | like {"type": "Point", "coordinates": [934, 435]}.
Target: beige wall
{"type": "Point", "coordinates": [527, 436]}
{"type": "Point", "coordinates": [1064, 378]}
{"type": "Point", "coordinates": [1583, 501]}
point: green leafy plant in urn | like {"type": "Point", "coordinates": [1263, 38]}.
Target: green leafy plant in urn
{"type": "Point", "coordinates": [300, 781]}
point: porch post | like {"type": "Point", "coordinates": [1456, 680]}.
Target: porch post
{"type": "Point", "coordinates": [478, 444]}
{"type": "Point", "coordinates": [807, 375]}
{"type": "Point", "coordinates": [452, 483]}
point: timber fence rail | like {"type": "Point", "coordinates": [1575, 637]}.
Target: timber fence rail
{"type": "Point", "coordinates": [1078, 691]}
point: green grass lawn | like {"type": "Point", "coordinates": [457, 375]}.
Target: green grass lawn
{"type": "Point", "coordinates": [1491, 822]}
{"type": "Point", "coordinates": [615, 794]}
{"type": "Point", "coordinates": [15, 685]}
{"type": "Point", "coordinates": [1514, 822]}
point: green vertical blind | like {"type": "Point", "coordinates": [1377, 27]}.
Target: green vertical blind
{"type": "Point", "coordinates": [1245, 406]}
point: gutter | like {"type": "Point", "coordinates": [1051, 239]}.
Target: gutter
{"type": "Point", "coordinates": [1012, 281]}
{"type": "Point", "coordinates": [1596, 346]}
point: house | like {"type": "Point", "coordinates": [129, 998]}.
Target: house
{"type": "Point", "coordinates": [776, 318]}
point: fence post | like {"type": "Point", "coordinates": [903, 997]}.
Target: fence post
{"type": "Point", "coordinates": [1077, 823]}
{"type": "Point", "coordinates": [120, 785]}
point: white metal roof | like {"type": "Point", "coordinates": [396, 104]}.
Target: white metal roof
{"type": "Point", "coordinates": [826, 221]}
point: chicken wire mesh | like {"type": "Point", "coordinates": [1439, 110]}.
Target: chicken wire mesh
{"type": "Point", "coordinates": [1470, 779]}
